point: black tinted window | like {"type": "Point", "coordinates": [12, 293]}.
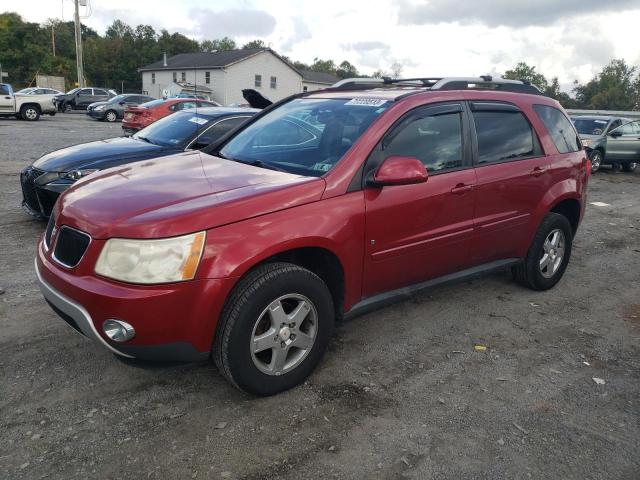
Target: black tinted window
{"type": "Point", "coordinates": [218, 130]}
{"type": "Point", "coordinates": [503, 135]}
{"type": "Point", "coordinates": [436, 141]}
{"type": "Point", "coordinates": [102, 93]}
{"type": "Point", "coordinates": [559, 127]}
{"type": "Point", "coordinates": [4, 90]}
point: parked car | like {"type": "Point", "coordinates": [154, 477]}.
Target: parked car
{"type": "Point", "coordinates": [190, 95]}
{"type": "Point", "coordinates": [81, 98]}
{"type": "Point", "coordinates": [25, 107]}
{"type": "Point", "coordinates": [138, 117]}
{"type": "Point", "coordinates": [50, 175]}
{"type": "Point", "coordinates": [249, 250]}
{"type": "Point", "coordinates": [113, 109]}
{"type": "Point", "coordinates": [39, 91]}
{"type": "Point", "coordinates": [596, 133]}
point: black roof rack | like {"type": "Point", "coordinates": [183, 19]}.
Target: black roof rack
{"type": "Point", "coordinates": [484, 82]}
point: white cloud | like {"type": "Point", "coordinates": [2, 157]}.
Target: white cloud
{"type": "Point", "coordinates": [570, 39]}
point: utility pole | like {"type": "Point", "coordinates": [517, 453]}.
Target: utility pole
{"type": "Point", "coordinates": [78, 45]}
{"type": "Point", "coordinates": [53, 40]}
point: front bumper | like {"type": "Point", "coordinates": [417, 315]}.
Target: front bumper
{"type": "Point", "coordinates": [97, 114]}
{"type": "Point", "coordinates": [40, 191]}
{"type": "Point", "coordinates": [173, 322]}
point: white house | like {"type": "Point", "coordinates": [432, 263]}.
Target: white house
{"type": "Point", "coordinates": [226, 73]}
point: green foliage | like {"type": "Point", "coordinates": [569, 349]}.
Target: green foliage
{"type": "Point", "coordinates": [221, 44]}
{"type": "Point", "coordinates": [615, 88]}
{"type": "Point", "coordinates": [522, 71]}
{"type": "Point", "coordinates": [254, 44]}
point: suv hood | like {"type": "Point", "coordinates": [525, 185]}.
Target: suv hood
{"type": "Point", "coordinates": [179, 194]}
{"type": "Point", "coordinates": [98, 155]}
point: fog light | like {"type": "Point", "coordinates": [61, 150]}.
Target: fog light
{"type": "Point", "coordinates": [118, 331]}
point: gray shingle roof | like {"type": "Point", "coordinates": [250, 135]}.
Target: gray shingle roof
{"type": "Point", "coordinates": [203, 59]}
{"type": "Point", "coordinates": [318, 77]}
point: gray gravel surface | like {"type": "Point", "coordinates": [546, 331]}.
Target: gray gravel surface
{"type": "Point", "coordinates": [400, 394]}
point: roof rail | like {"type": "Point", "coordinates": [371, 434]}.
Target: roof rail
{"type": "Point", "coordinates": [440, 83]}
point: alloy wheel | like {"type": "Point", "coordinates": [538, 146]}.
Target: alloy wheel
{"type": "Point", "coordinates": [284, 334]}
{"type": "Point", "coordinates": [552, 253]}
{"type": "Point", "coordinates": [31, 113]}
{"type": "Point", "coordinates": [111, 116]}
{"type": "Point", "coordinates": [596, 161]}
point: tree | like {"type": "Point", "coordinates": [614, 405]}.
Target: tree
{"type": "Point", "coordinates": [615, 88]}
{"type": "Point", "coordinates": [522, 71]}
{"type": "Point", "coordinates": [254, 44]}
{"type": "Point", "coordinates": [218, 45]}
{"type": "Point", "coordinates": [347, 70]}
{"type": "Point", "coordinates": [326, 66]}
{"type": "Point", "coordinates": [396, 70]}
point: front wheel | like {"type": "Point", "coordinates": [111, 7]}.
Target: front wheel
{"type": "Point", "coordinates": [274, 329]}
{"type": "Point", "coordinates": [110, 116]}
{"type": "Point", "coordinates": [596, 160]}
{"type": "Point", "coordinates": [630, 167]}
{"type": "Point", "coordinates": [30, 113]}
{"type": "Point", "coordinates": [548, 255]}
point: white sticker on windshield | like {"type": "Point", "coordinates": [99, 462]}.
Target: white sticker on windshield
{"type": "Point", "coordinates": [198, 120]}
{"type": "Point", "coordinates": [600, 121]}
{"type": "Point", "coordinates": [366, 102]}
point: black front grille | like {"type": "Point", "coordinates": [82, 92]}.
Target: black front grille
{"type": "Point", "coordinates": [29, 193]}
{"type": "Point", "coordinates": [49, 230]}
{"type": "Point", "coordinates": [70, 246]}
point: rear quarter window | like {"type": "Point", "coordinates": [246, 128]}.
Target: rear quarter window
{"type": "Point", "coordinates": [562, 131]}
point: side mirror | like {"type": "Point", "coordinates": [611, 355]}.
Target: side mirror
{"type": "Point", "coordinates": [122, 102]}
{"type": "Point", "coordinates": [615, 133]}
{"type": "Point", "coordinates": [397, 170]}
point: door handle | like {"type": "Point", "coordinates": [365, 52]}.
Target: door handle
{"type": "Point", "coordinates": [461, 189]}
{"type": "Point", "coordinates": [536, 172]}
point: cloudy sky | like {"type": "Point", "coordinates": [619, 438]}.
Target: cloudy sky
{"type": "Point", "coordinates": [571, 39]}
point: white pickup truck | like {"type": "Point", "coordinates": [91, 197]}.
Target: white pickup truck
{"type": "Point", "coordinates": [26, 107]}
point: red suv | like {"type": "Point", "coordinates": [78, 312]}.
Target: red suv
{"type": "Point", "coordinates": [136, 117]}
{"type": "Point", "coordinates": [321, 207]}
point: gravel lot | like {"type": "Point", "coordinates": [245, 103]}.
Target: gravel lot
{"type": "Point", "coordinates": [400, 394]}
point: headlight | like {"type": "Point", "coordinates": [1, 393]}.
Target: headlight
{"type": "Point", "coordinates": [586, 143]}
{"type": "Point", "coordinates": [151, 261]}
{"type": "Point", "coordinates": [77, 174]}
{"type": "Point", "coordinates": [99, 107]}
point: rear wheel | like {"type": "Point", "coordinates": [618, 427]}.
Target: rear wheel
{"type": "Point", "coordinates": [31, 113]}
{"type": "Point", "coordinates": [66, 108]}
{"type": "Point", "coordinates": [274, 329]}
{"type": "Point", "coordinates": [110, 116]}
{"type": "Point", "coordinates": [630, 167]}
{"type": "Point", "coordinates": [548, 255]}
{"type": "Point", "coordinates": [596, 160]}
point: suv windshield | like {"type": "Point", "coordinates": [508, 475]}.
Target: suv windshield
{"type": "Point", "coordinates": [590, 126]}
{"type": "Point", "coordinates": [306, 136]}
{"type": "Point", "coordinates": [173, 130]}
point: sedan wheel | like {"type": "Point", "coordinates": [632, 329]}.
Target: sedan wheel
{"type": "Point", "coordinates": [552, 253]}
{"type": "Point", "coordinates": [110, 116]}
{"type": "Point", "coordinates": [630, 167]}
{"type": "Point", "coordinates": [596, 160]}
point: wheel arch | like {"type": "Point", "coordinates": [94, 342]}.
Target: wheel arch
{"type": "Point", "coordinates": [571, 209]}
{"type": "Point", "coordinates": [31, 104]}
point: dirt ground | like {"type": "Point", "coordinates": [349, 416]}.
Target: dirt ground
{"type": "Point", "coordinates": [400, 394]}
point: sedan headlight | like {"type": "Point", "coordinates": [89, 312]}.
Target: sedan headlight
{"type": "Point", "coordinates": [151, 261]}
{"type": "Point", "coordinates": [586, 143]}
{"type": "Point", "coordinates": [99, 107]}
{"type": "Point", "coordinates": [78, 174]}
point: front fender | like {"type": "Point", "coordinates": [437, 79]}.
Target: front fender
{"type": "Point", "coordinates": [335, 224]}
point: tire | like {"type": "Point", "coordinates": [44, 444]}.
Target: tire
{"type": "Point", "coordinates": [630, 166]}
{"type": "Point", "coordinates": [66, 108]}
{"type": "Point", "coordinates": [616, 168]}
{"type": "Point", "coordinates": [52, 114]}
{"type": "Point", "coordinates": [110, 116]}
{"type": "Point", "coordinates": [30, 113]}
{"type": "Point", "coordinates": [281, 288]}
{"type": "Point", "coordinates": [596, 160]}
{"type": "Point", "coordinates": [530, 273]}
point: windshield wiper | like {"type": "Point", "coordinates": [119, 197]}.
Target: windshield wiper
{"type": "Point", "coordinates": [145, 139]}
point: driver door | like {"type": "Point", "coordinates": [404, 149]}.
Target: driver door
{"type": "Point", "coordinates": [623, 143]}
{"type": "Point", "coordinates": [6, 99]}
{"type": "Point", "coordinates": [418, 232]}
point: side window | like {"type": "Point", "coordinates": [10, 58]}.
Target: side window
{"type": "Point", "coordinates": [101, 93]}
{"type": "Point", "coordinates": [4, 90]}
{"type": "Point", "coordinates": [258, 81]}
{"type": "Point", "coordinates": [629, 129]}
{"type": "Point", "coordinates": [175, 77]}
{"type": "Point", "coordinates": [503, 135]}
{"type": "Point", "coordinates": [85, 92]}
{"type": "Point", "coordinates": [559, 127]}
{"type": "Point", "coordinates": [218, 130]}
{"type": "Point", "coordinates": [615, 124]}
{"type": "Point", "coordinates": [183, 76]}
{"type": "Point", "coordinates": [434, 140]}
{"type": "Point", "coordinates": [203, 104]}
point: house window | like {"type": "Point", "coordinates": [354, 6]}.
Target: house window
{"type": "Point", "coordinates": [207, 77]}
{"type": "Point", "coordinates": [153, 78]}
{"type": "Point", "coordinates": [305, 88]}
{"type": "Point", "coordinates": [274, 82]}
{"type": "Point", "coordinates": [175, 76]}
{"type": "Point", "coordinates": [183, 75]}
{"type": "Point", "coordinates": [258, 81]}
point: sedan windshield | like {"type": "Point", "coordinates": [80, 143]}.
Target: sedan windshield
{"type": "Point", "coordinates": [590, 126]}
{"type": "Point", "coordinates": [174, 130]}
{"type": "Point", "coordinates": [306, 136]}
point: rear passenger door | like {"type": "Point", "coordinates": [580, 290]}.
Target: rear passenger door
{"type": "Point", "coordinates": [512, 178]}
{"type": "Point", "coordinates": [418, 232]}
